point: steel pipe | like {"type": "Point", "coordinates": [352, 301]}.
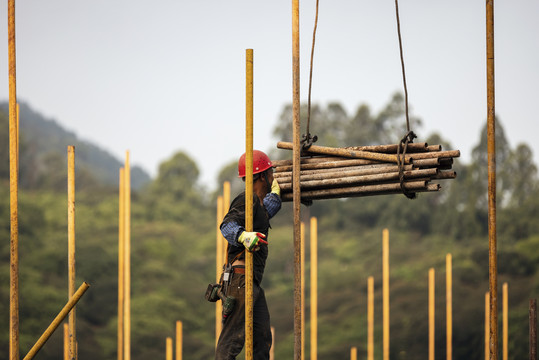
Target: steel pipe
{"type": "Point", "coordinates": [347, 153]}
{"type": "Point", "coordinates": [354, 180]}
{"type": "Point", "coordinates": [365, 190]}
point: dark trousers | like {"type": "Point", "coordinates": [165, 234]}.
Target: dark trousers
{"type": "Point", "coordinates": [232, 338]}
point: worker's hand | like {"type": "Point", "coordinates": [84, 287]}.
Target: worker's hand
{"type": "Point", "coordinates": [275, 188]}
{"type": "Point", "coordinates": [252, 240]}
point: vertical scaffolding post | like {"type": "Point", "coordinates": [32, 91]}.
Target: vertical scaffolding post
{"type": "Point", "coordinates": [314, 288]}
{"type": "Point", "coordinates": [13, 191]}
{"type": "Point", "coordinates": [353, 353]}
{"type": "Point", "coordinates": [449, 306]}
{"type": "Point", "coordinates": [487, 325]}
{"type": "Point", "coordinates": [249, 206]}
{"type": "Point", "coordinates": [296, 195]}
{"type": "Point", "coordinates": [505, 321]}
{"type": "Point", "coordinates": [66, 341]}
{"type": "Point", "coordinates": [226, 206]}
{"type": "Point", "coordinates": [302, 271]}
{"type": "Point", "coordinates": [127, 259]}
{"type": "Point", "coordinates": [169, 352]}
{"type": "Point", "coordinates": [71, 247]}
{"type": "Point", "coordinates": [121, 264]}
{"type": "Point", "coordinates": [431, 313]}
{"type": "Point", "coordinates": [370, 318]}
{"type": "Point", "coordinates": [533, 329]}
{"type": "Point", "coordinates": [179, 340]}
{"type": "Point", "coordinates": [219, 261]}
{"type": "Point", "coordinates": [385, 291]}
{"type": "Point", "coordinates": [272, 349]}
{"type": "Point", "coordinates": [491, 124]}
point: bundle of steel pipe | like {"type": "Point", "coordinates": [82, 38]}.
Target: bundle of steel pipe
{"type": "Point", "coordinates": [329, 173]}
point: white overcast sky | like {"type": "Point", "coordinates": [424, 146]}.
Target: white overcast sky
{"type": "Point", "coordinates": [155, 77]}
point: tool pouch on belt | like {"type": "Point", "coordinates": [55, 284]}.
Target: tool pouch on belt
{"type": "Point", "coordinates": [212, 292]}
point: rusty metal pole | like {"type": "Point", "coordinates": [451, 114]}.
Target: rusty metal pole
{"type": "Point", "coordinates": [121, 265]}
{"type": "Point", "coordinates": [71, 248]}
{"type": "Point", "coordinates": [295, 178]}
{"type": "Point", "coordinates": [249, 205]}
{"type": "Point", "coordinates": [13, 191]}
{"type": "Point", "coordinates": [491, 123]}
{"type": "Point", "coordinates": [533, 329]}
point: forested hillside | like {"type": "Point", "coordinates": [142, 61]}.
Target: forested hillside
{"type": "Point", "coordinates": [173, 252]}
{"type": "Point", "coordinates": [43, 148]}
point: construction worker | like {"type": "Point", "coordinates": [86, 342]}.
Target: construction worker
{"type": "Point", "coordinates": [266, 203]}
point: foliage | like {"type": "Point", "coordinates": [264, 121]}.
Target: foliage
{"type": "Point", "coordinates": [173, 241]}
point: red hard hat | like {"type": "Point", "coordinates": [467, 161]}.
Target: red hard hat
{"type": "Point", "coordinates": [261, 162]}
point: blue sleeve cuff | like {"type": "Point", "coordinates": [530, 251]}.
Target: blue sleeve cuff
{"type": "Point", "coordinates": [231, 231]}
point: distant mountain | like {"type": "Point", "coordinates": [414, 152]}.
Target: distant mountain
{"type": "Point", "coordinates": [44, 139]}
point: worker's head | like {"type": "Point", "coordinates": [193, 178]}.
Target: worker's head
{"type": "Point", "coordinates": [262, 168]}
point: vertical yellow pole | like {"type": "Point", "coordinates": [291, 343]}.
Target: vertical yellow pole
{"type": "Point", "coordinates": [66, 341]}
{"type": "Point", "coordinates": [272, 349]}
{"type": "Point", "coordinates": [449, 306]}
{"type": "Point", "coordinates": [121, 264]}
{"type": "Point", "coordinates": [13, 191]}
{"type": "Point", "coordinates": [17, 139]}
{"type": "Point", "coordinates": [431, 313]}
{"type": "Point", "coordinates": [249, 206]}
{"type": "Point", "coordinates": [71, 247]}
{"type": "Point", "coordinates": [169, 348]}
{"type": "Point", "coordinates": [179, 340]}
{"type": "Point", "coordinates": [296, 191]}
{"type": "Point", "coordinates": [302, 257]}
{"type": "Point", "coordinates": [314, 288]}
{"type": "Point", "coordinates": [487, 325]}
{"type": "Point", "coordinates": [505, 321]}
{"type": "Point", "coordinates": [491, 147]}
{"type": "Point", "coordinates": [127, 260]}
{"type": "Point", "coordinates": [218, 267]}
{"type": "Point", "coordinates": [370, 318]}
{"type": "Point", "coordinates": [353, 353]}
{"type": "Point", "coordinates": [226, 206]}
{"type": "Point", "coordinates": [385, 291]}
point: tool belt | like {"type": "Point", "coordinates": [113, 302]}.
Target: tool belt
{"type": "Point", "coordinates": [238, 269]}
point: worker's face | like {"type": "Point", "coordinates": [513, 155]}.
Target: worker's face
{"type": "Point", "coordinates": [268, 175]}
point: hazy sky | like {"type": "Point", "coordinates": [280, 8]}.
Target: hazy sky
{"type": "Point", "coordinates": [160, 76]}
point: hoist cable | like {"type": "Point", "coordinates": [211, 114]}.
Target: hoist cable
{"type": "Point", "coordinates": [402, 66]}
{"type": "Point", "coordinates": [409, 137]}
{"type": "Point", "coordinates": [307, 139]}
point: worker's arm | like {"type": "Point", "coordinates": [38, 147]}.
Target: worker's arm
{"type": "Point", "coordinates": [231, 231]}
{"type": "Point", "coordinates": [272, 201]}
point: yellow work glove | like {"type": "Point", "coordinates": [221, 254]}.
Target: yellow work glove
{"type": "Point", "coordinates": [251, 240]}
{"type": "Point", "coordinates": [275, 188]}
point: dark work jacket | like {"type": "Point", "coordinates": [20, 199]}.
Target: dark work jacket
{"type": "Point", "coordinates": [261, 224]}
